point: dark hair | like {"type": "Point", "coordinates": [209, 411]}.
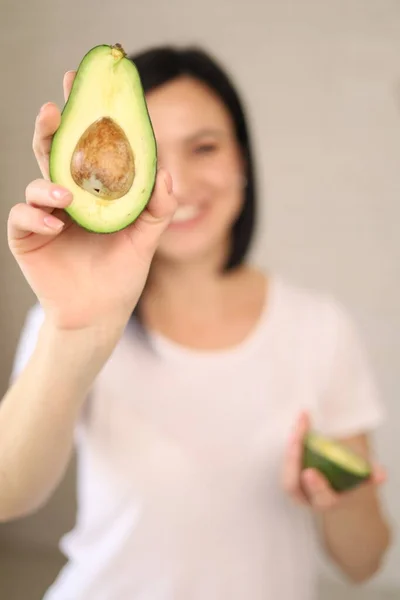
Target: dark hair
{"type": "Point", "coordinates": [162, 64]}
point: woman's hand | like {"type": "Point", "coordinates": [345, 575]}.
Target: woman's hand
{"type": "Point", "coordinates": [308, 486]}
{"type": "Point", "coordinates": [82, 279]}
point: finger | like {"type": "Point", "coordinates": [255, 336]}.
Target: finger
{"type": "Point", "coordinates": [25, 219]}
{"type": "Point", "coordinates": [67, 83]}
{"type": "Point", "coordinates": [293, 459]}
{"type": "Point", "coordinates": [379, 475]}
{"type": "Point", "coordinates": [145, 233]}
{"type": "Point", "coordinates": [292, 472]}
{"type": "Point", "coordinates": [47, 123]}
{"type": "Point", "coordinates": [162, 204]}
{"type": "Point", "coordinates": [317, 489]}
{"type": "Point", "coordinates": [46, 195]}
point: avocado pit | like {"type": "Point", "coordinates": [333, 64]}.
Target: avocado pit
{"type": "Point", "coordinates": [102, 162]}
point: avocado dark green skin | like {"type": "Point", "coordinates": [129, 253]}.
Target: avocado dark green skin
{"type": "Point", "coordinates": [339, 478]}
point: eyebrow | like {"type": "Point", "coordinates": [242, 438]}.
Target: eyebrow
{"type": "Point", "coordinates": [205, 132]}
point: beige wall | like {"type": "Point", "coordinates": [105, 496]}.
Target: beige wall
{"type": "Point", "coordinates": [321, 80]}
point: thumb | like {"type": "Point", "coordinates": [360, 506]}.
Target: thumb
{"type": "Point", "coordinates": [146, 231]}
{"type": "Point", "coordinates": [68, 80]}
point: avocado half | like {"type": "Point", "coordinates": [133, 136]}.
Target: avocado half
{"type": "Point", "coordinates": [104, 150]}
{"type": "Point", "coordinates": [343, 468]}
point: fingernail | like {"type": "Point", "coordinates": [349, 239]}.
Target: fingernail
{"type": "Point", "coordinates": [168, 182]}
{"type": "Point", "coordinates": [60, 194]}
{"type": "Point", "coordinates": [42, 108]}
{"type": "Point", "coordinates": [309, 476]}
{"type": "Point", "coordinates": [53, 223]}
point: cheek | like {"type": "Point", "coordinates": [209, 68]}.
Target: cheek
{"type": "Point", "coordinates": [225, 180]}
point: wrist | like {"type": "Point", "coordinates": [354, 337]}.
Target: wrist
{"type": "Point", "coordinates": [78, 353]}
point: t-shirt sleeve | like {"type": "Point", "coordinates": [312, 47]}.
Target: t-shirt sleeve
{"type": "Point", "coordinates": [27, 340]}
{"type": "Point", "coordinates": [351, 403]}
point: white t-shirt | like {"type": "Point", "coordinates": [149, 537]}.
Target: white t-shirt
{"type": "Point", "coordinates": [180, 456]}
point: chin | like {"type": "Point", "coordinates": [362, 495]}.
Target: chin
{"type": "Point", "coordinates": [195, 247]}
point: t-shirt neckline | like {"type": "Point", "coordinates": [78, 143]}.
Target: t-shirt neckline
{"type": "Point", "coordinates": [171, 350]}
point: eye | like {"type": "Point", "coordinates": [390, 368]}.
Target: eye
{"type": "Point", "coordinates": [205, 148]}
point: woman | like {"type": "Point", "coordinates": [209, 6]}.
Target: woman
{"type": "Point", "coordinates": [189, 415]}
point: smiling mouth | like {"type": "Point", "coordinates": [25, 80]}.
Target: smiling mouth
{"type": "Point", "coordinates": [186, 213]}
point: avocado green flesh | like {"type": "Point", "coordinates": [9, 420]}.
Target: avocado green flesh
{"type": "Point", "coordinates": [343, 468]}
{"type": "Point", "coordinates": [106, 86]}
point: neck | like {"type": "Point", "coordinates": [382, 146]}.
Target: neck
{"type": "Point", "coordinates": [195, 284]}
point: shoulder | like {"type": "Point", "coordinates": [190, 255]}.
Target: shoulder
{"type": "Point", "coordinates": [327, 333]}
{"type": "Point", "coordinates": [314, 308]}
{"type": "Point", "coordinates": [319, 323]}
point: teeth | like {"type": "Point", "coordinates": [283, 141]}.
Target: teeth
{"type": "Point", "coordinates": [185, 213]}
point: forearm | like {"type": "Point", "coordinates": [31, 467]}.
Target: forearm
{"type": "Point", "coordinates": [356, 534]}
{"type": "Point", "coordinates": [38, 415]}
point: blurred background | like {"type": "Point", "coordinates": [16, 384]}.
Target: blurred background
{"type": "Point", "coordinates": [321, 81]}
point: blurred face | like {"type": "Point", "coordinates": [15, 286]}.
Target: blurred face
{"type": "Point", "coordinates": [196, 144]}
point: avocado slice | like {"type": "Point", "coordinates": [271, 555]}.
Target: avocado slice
{"type": "Point", "coordinates": [104, 150]}
{"type": "Point", "coordinates": [343, 468]}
